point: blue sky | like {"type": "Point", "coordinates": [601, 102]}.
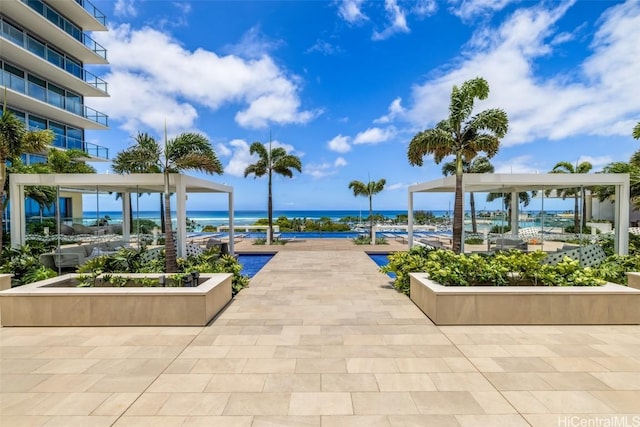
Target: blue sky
{"type": "Point", "coordinates": [345, 85]}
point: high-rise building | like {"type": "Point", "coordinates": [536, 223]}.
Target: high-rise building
{"type": "Point", "coordinates": [44, 47]}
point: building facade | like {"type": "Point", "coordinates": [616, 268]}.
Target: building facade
{"type": "Point", "coordinates": [44, 48]}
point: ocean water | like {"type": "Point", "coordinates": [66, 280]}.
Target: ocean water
{"type": "Point", "coordinates": [248, 217]}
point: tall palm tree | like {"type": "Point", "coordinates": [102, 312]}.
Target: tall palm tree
{"type": "Point", "coordinates": [68, 161]}
{"type": "Point", "coordinates": [477, 165]}
{"type": "Point", "coordinates": [270, 161]}
{"type": "Point", "coordinates": [462, 136]}
{"type": "Point", "coordinates": [142, 157]}
{"type": "Point", "coordinates": [633, 169]}
{"type": "Point", "coordinates": [16, 140]}
{"type": "Point", "coordinates": [636, 131]}
{"type": "Point", "coordinates": [368, 190]}
{"type": "Point", "coordinates": [567, 167]}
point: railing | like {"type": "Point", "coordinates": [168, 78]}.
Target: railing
{"type": "Point", "coordinates": [56, 99]}
{"type": "Point", "coordinates": [66, 26]}
{"type": "Point", "coordinates": [93, 11]}
{"type": "Point", "coordinates": [70, 143]}
{"type": "Point", "coordinates": [42, 50]}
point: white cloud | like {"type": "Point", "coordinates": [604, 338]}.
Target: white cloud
{"type": "Point", "coordinates": [340, 162]}
{"type": "Point", "coordinates": [374, 135]}
{"type": "Point", "coordinates": [240, 158]}
{"type": "Point", "coordinates": [349, 10]}
{"type": "Point", "coordinates": [339, 144]}
{"type": "Point", "coordinates": [321, 170]}
{"type": "Point", "coordinates": [395, 110]}
{"type": "Point", "coordinates": [253, 44]}
{"type": "Point", "coordinates": [324, 47]}
{"type": "Point", "coordinates": [223, 150]}
{"type": "Point", "coordinates": [398, 21]}
{"type": "Point", "coordinates": [153, 78]}
{"type": "Point", "coordinates": [519, 164]}
{"type": "Point", "coordinates": [397, 186]}
{"type": "Point", "coordinates": [125, 9]}
{"type": "Point", "coordinates": [592, 99]}
{"type": "Point", "coordinates": [424, 8]}
{"type": "Point", "coordinates": [470, 9]}
{"type": "Point", "coordinates": [597, 162]}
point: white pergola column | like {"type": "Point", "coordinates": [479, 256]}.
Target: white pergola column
{"type": "Point", "coordinates": [410, 220]}
{"type": "Point", "coordinates": [126, 216]}
{"type": "Point", "coordinates": [515, 213]}
{"type": "Point", "coordinates": [181, 216]}
{"type": "Point", "coordinates": [231, 227]}
{"type": "Point", "coordinates": [621, 237]}
{"type": "Point", "coordinates": [18, 220]}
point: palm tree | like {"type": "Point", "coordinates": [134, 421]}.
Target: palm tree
{"type": "Point", "coordinates": [567, 167]}
{"type": "Point", "coordinates": [270, 161]}
{"type": "Point", "coordinates": [368, 190]}
{"type": "Point", "coordinates": [143, 157]}
{"type": "Point", "coordinates": [463, 136]}
{"type": "Point", "coordinates": [477, 165]}
{"type": "Point", "coordinates": [16, 140]}
{"type": "Point", "coordinates": [523, 198]}
{"type": "Point", "coordinates": [636, 131]}
{"type": "Point", "coordinates": [187, 151]}
{"type": "Point", "coordinates": [633, 169]}
{"type": "Point", "coordinates": [68, 161]}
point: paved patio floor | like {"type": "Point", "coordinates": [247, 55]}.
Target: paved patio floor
{"type": "Point", "coordinates": [320, 339]}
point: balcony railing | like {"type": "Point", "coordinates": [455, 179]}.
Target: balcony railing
{"type": "Point", "coordinates": [70, 143]}
{"type": "Point", "coordinates": [67, 26]}
{"type": "Point", "coordinates": [51, 97]}
{"type": "Point", "coordinates": [24, 40]}
{"type": "Point", "coordinates": [93, 11]}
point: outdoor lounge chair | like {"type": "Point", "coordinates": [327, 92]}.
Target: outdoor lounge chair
{"type": "Point", "coordinates": [505, 244]}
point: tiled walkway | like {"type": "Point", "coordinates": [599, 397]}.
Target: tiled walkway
{"type": "Point", "coordinates": [320, 339]}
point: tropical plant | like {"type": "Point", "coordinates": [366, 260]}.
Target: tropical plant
{"type": "Point", "coordinates": [359, 188]}
{"type": "Point", "coordinates": [636, 131]}
{"type": "Point", "coordinates": [24, 263]}
{"type": "Point", "coordinates": [404, 262]}
{"type": "Point", "coordinates": [633, 169]}
{"type": "Point", "coordinates": [477, 165]}
{"type": "Point", "coordinates": [270, 161]}
{"type": "Point", "coordinates": [16, 140]}
{"type": "Point", "coordinates": [523, 197]}
{"type": "Point", "coordinates": [462, 136]}
{"type": "Point", "coordinates": [577, 192]}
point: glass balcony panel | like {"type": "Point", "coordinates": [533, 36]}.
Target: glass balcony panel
{"type": "Point", "coordinates": [36, 91]}
{"type": "Point", "coordinates": [55, 96]}
{"type": "Point", "coordinates": [55, 58]}
{"type": "Point", "coordinates": [36, 47]}
{"type": "Point", "coordinates": [75, 144]}
{"type": "Point", "coordinates": [12, 33]}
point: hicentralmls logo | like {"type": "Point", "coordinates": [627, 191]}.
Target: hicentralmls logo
{"type": "Point", "coordinates": [599, 421]}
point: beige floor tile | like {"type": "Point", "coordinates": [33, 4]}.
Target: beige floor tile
{"type": "Point", "coordinates": [349, 382]}
{"type": "Point", "coordinates": [258, 404]}
{"type": "Point", "coordinates": [383, 403]}
{"type": "Point", "coordinates": [298, 351]}
{"type": "Point", "coordinates": [218, 366]}
{"type": "Point", "coordinates": [421, 364]}
{"type": "Point", "coordinates": [621, 364]}
{"type": "Point", "coordinates": [269, 366]}
{"type": "Point", "coordinates": [620, 380]}
{"type": "Point", "coordinates": [66, 366]}
{"type": "Point", "coordinates": [492, 420]}
{"type": "Point", "coordinates": [278, 340]}
{"type": "Point", "coordinates": [218, 421]}
{"type": "Point", "coordinates": [80, 421]}
{"type": "Point", "coordinates": [146, 421]}
{"type": "Point", "coordinates": [123, 383]}
{"type": "Point", "coordinates": [621, 401]}
{"type": "Point", "coordinates": [292, 382]}
{"type": "Point", "coordinates": [405, 382]}
{"type": "Point", "coordinates": [449, 381]}
{"type": "Point", "coordinates": [539, 420]}
{"type": "Point", "coordinates": [77, 404]}
{"type": "Point", "coordinates": [370, 365]}
{"type": "Point", "coordinates": [493, 402]}
{"type": "Point", "coordinates": [320, 366]}
{"type": "Point", "coordinates": [251, 351]}
{"type": "Point", "coordinates": [205, 352]}
{"type": "Point", "coordinates": [574, 364]}
{"type": "Point", "coordinates": [173, 383]}
{"type": "Point", "coordinates": [320, 403]}
{"type": "Point", "coordinates": [181, 366]}
{"type": "Point", "coordinates": [19, 383]}
{"type": "Point", "coordinates": [483, 350]}
{"type": "Point", "coordinates": [459, 364]}
{"type": "Point", "coordinates": [69, 383]}
{"type": "Point", "coordinates": [436, 351]}
{"type": "Point", "coordinates": [236, 383]}
{"type": "Point", "coordinates": [116, 404]}
{"type": "Point", "coordinates": [422, 420]}
{"type": "Point", "coordinates": [286, 421]}
{"type": "Point", "coordinates": [504, 381]}
{"type": "Point", "coordinates": [194, 404]}
{"type": "Point", "coordinates": [446, 402]}
{"type": "Point", "coordinates": [573, 381]}
{"type": "Point", "coordinates": [525, 402]}
{"type": "Point", "coordinates": [147, 404]}
{"type": "Point", "coordinates": [23, 420]}
{"type": "Point", "coordinates": [355, 421]}
{"type": "Point", "coordinates": [571, 402]}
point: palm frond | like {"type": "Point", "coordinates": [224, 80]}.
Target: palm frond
{"type": "Point", "coordinates": [636, 131]}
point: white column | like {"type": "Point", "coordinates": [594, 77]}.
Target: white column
{"type": "Point", "coordinates": [515, 213]}
{"type": "Point", "coordinates": [231, 227]}
{"type": "Point", "coordinates": [621, 238]}
{"type": "Point", "coordinates": [181, 215]}
{"type": "Point", "coordinates": [16, 203]}
{"type": "Point", "coordinates": [126, 216]}
{"type": "Point", "coordinates": [410, 220]}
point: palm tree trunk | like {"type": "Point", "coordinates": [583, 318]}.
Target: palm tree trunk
{"type": "Point", "coordinates": [162, 228]}
{"type": "Point", "coordinates": [270, 212]}
{"type": "Point", "coordinates": [373, 240]}
{"type": "Point", "coordinates": [472, 206]}
{"type": "Point", "coordinates": [457, 210]}
{"type": "Point", "coordinates": [171, 264]}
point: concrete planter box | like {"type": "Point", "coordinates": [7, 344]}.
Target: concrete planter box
{"type": "Point", "coordinates": [5, 281]}
{"type": "Point", "coordinates": [604, 227]}
{"type": "Point", "coordinates": [44, 304]}
{"type": "Point", "coordinates": [609, 304]}
{"type": "Point", "coordinates": [633, 280]}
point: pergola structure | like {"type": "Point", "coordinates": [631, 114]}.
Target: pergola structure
{"type": "Point", "coordinates": [137, 183]}
{"type": "Point", "coordinates": [516, 183]}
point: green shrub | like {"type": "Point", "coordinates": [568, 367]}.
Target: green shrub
{"type": "Point", "coordinates": [24, 263]}
{"type": "Point", "coordinates": [474, 240]}
{"type": "Point", "coordinates": [405, 262]}
{"type": "Point", "coordinates": [364, 239]}
{"type": "Point", "coordinates": [500, 229]}
{"type": "Point", "coordinates": [614, 268]}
